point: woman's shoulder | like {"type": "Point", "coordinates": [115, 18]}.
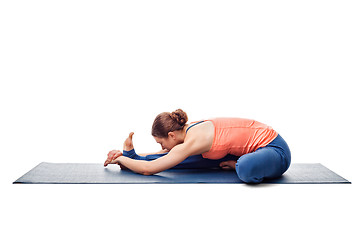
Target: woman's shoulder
{"type": "Point", "coordinates": [201, 135]}
{"type": "Point", "coordinates": [202, 128]}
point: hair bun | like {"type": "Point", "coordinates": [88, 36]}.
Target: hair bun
{"type": "Point", "coordinates": [179, 116]}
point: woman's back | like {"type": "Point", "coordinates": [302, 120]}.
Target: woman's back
{"type": "Point", "coordinates": [236, 136]}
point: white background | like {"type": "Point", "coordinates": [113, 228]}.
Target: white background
{"type": "Point", "coordinates": [78, 76]}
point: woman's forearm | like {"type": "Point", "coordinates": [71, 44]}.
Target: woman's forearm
{"type": "Point", "coordinates": [138, 166]}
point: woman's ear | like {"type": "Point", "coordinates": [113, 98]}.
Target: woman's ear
{"type": "Point", "coordinates": [172, 135]}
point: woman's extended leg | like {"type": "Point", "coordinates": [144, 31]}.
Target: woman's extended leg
{"type": "Point", "coordinates": [192, 162]}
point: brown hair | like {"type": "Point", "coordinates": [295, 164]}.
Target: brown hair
{"type": "Point", "coordinates": [168, 122]}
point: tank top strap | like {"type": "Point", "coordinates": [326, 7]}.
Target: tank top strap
{"type": "Point", "coordinates": [193, 125]}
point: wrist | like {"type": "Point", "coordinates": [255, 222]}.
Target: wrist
{"type": "Point", "coordinates": [119, 160]}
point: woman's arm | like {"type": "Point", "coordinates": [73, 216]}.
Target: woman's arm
{"type": "Point", "coordinates": [178, 154]}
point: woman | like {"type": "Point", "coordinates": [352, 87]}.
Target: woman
{"type": "Point", "coordinates": [261, 151]}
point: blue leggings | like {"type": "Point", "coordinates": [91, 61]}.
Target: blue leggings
{"type": "Point", "coordinates": [270, 161]}
{"type": "Point", "coordinates": [192, 162]}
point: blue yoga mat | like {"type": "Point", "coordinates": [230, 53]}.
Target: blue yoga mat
{"type": "Point", "coordinates": [96, 173]}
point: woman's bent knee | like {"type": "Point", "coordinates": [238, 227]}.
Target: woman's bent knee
{"type": "Point", "coordinates": [247, 173]}
{"type": "Point", "coordinates": [251, 179]}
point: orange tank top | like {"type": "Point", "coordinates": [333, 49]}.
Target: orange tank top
{"type": "Point", "coordinates": [238, 136]}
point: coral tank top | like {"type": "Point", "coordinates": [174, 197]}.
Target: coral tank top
{"type": "Point", "coordinates": [238, 136]}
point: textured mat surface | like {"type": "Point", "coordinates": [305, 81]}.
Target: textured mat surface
{"type": "Point", "coordinates": [97, 173]}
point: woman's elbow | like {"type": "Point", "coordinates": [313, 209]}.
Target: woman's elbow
{"type": "Point", "coordinates": [147, 173]}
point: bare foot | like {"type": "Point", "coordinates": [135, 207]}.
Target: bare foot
{"type": "Point", "coordinates": [228, 165]}
{"type": "Point", "coordinates": [128, 144]}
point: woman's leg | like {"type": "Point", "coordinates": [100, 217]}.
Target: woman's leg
{"type": "Point", "coordinates": [263, 163]}
{"type": "Point", "coordinates": [192, 162]}
{"type": "Point", "coordinates": [268, 162]}
{"type": "Point", "coordinates": [196, 161]}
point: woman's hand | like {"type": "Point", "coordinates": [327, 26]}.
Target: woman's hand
{"type": "Point", "coordinates": [112, 155]}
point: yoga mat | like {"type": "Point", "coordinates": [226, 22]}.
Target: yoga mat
{"type": "Point", "coordinates": [96, 173]}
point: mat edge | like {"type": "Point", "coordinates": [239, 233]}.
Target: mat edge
{"type": "Point", "coordinates": [346, 181]}
{"type": "Point", "coordinates": [17, 180]}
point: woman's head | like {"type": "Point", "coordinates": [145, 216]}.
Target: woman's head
{"type": "Point", "coordinates": [166, 128]}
